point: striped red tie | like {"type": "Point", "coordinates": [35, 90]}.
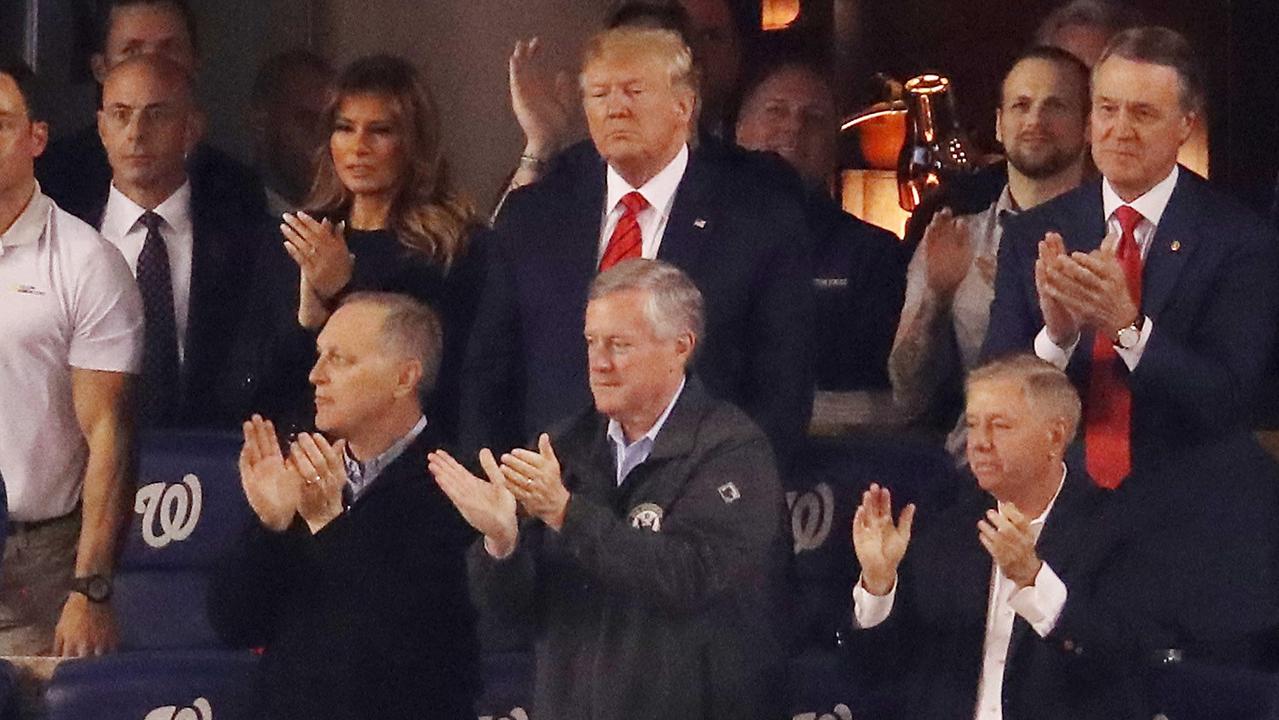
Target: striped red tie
{"type": "Point", "coordinates": [1108, 406]}
{"type": "Point", "coordinates": [626, 242]}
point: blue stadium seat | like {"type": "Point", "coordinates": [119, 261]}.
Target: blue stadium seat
{"type": "Point", "coordinates": [155, 686]}
{"type": "Point", "coordinates": [822, 494]}
{"type": "Point", "coordinates": [820, 687]}
{"type": "Point", "coordinates": [508, 687]}
{"type": "Point", "coordinates": [163, 610]}
{"type": "Point", "coordinates": [188, 506]}
{"type": "Point", "coordinates": [188, 509]}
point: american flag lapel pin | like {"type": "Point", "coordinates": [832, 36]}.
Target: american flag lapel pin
{"type": "Point", "coordinates": [700, 223]}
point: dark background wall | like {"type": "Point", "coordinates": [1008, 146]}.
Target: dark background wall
{"type": "Point", "coordinates": [462, 45]}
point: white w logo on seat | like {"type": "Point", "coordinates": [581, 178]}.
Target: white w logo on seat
{"type": "Point", "coordinates": [201, 709]}
{"type": "Point", "coordinates": [176, 507]}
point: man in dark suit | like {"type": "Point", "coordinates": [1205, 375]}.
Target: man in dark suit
{"type": "Point", "coordinates": [640, 192]}
{"type": "Point", "coordinates": [192, 256]}
{"type": "Point", "coordinates": [75, 171]}
{"type": "Point", "coordinates": [650, 555]}
{"type": "Point", "coordinates": [1024, 599]}
{"type": "Point", "coordinates": [355, 578]}
{"type": "Point", "coordinates": [1167, 325]}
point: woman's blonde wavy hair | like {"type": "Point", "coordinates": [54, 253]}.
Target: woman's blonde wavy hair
{"type": "Point", "coordinates": [427, 214]}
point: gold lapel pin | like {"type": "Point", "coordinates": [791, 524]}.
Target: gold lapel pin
{"type": "Point", "coordinates": [699, 223]}
{"type": "Point", "coordinates": [1176, 245]}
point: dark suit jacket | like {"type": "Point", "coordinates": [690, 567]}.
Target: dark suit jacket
{"type": "Point", "coordinates": [930, 648]}
{"type": "Point", "coordinates": [370, 617]}
{"type": "Point", "coordinates": [673, 620]}
{"type": "Point", "coordinates": [225, 246]}
{"type": "Point", "coordinates": [1214, 302]}
{"type": "Point", "coordinates": [741, 241]}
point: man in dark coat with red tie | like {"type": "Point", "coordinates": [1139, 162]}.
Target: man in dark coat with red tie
{"type": "Point", "coordinates": [1167, 324]}
{"type": "Point", "coordinates": [639, 189]}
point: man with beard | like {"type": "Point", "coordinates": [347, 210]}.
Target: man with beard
{"type": "Point", "coordinates": [1042, 123]}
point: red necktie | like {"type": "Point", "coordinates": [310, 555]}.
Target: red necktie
{"type": "Point", "coordinates": [626, 242]}
{"type": "Point", "coordinates": [1108, 406]}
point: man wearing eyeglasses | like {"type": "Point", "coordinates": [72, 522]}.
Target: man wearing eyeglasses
{"type": "Point", "coordinates": [189, 255]}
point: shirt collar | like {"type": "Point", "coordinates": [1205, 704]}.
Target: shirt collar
{"type": "Point", "coordinates": [362, 474]}
{"type": "Point", "coordinates": [1151, 205]}
{"type": "Point", "coordinates": [619, 438]}
{"type": "Point", "coordinates": [1037, 524]}
{"type": "Point", "coordinates": [29, 225]}
{"type": "Point", "coordinates": [659, 191]}
{"type": "Point", "coordinates": [122, 215]}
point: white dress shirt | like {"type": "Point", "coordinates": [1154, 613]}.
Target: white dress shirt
{"type": "Point", "coordinates": [659, 191]}
{"type": "Point", "coordinates": [1039, 604]}
{"type": "Point", "coordinates": [1151, 206]}
{"type": "Point", "coordinates": [122, 226]}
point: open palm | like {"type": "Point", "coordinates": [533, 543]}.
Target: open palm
{"type": "Point", "coordinates": [879, 543]}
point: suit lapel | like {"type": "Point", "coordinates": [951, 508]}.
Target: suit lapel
{"type": "Point", "coordinates": [691, 224]}
{"type": "Point", "coordinates": [1176, 230]}
{"type": "Point", "coordinates": [673, 442]}
{"type": "Point", "coordinates": [1059, 544]}
{"type": "Point", "coordinates": [583, 249]}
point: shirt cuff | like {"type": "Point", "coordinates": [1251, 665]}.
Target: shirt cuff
{"type": "Point", "coordinates": [870, 610]}
{"type": "Point", "coordinates": [1041, 604]}
{"type": "Point", "coordinates": [1132, 355]}
{"type": "Point", "coordinates": [493, 553]}
{"type": "Point", "coordinates": [1051, 352]}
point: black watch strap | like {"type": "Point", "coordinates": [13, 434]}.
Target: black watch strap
{"type": "Point", "coordinates": [95, 587]}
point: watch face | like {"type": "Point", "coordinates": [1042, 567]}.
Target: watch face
{"type": "Point", "coordinates": [99, 589]}
{"type": "Point", "coordinates": [1128, 338]}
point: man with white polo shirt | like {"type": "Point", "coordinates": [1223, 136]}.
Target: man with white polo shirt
{"type": "Point", "coordinates": [71, 319]}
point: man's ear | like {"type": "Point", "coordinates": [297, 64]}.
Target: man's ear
{"type": "Point", "coordinates": [685, 343]}
{"type": "Point", "coordinates": [39, 138]}
{"type": "Point", "coordinates": [999, 133]}
{"type": "Point", "coordinates": [409, 378]}
{"type": "Point", "coordinates": [98, 64]}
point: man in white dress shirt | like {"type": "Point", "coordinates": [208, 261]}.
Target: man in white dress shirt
{"type": "Point", "coordinates": [1006, 604]}
{"type": "Point", "coordinates": [71, 320]}
{"type": "Point", "coordinates": [191, 256]}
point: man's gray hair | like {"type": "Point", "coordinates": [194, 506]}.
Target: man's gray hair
{"type": "Point", "coordinates": [1105, 15]}
{"type": "Point", "coordinates": [673, 303]}
{"type": "Point", "coordinates": [1162, 46]}
{"type": "Point", "coordinates": [1046, 386]}
{"type": "Point", "coordinates": [411, 329]}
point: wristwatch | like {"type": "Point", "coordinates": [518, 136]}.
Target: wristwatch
{"type": "Point", "coordinates": [1127, 337]}
{"type": "Point", "coordinates": [95, 587]}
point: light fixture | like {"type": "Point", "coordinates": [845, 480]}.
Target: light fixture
{"type": "Point", "coordinates": [935, 147]}
{"type": "Point", "coordinates": [779, 14]}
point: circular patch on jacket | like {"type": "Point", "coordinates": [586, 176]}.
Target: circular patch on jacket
{"type": "Point", "coordinates": [646, 516]}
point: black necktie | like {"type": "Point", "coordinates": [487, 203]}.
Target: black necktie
{"type": "Point", "coordinates": [159, 390]}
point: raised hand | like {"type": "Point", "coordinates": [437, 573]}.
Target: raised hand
{"type": "Point", "coordinates": [542, 102]}
{"type": "Point", "coordinates": [319, 248]}
{"type": "Point", "coordinates": [1055, 300]}
{"type": "Point", "coordinates": [323, 470]}
{"type": "Point", "coordinates": [270, 483]}
{"type": "Point", "coordinates": [879, 543]}
{"type": "Point", "coordinates": [534, 479]}
{"type": "Point", "coordinates": [948, 251]}
{"type": "Point", "coordinates": [1006, 535]}
{"type": "Point", "coordinates": [488, 506]}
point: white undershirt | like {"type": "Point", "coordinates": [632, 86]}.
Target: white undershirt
{"type": "Point", "coordinates": [122, 226]}
{"type": "Point", "coordinates": [659, 191]}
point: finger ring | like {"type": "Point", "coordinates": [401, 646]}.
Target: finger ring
{"type": "Point", "coordinates": [313, 480]}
